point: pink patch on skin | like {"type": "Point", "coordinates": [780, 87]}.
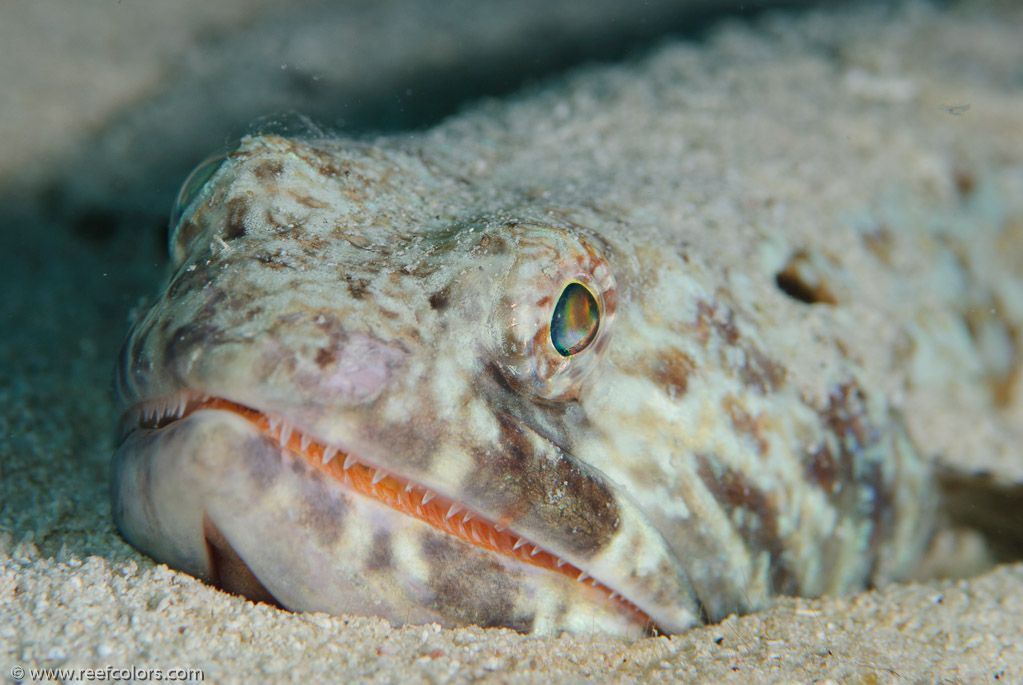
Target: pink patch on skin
{"type": "Point", "coordinates": [361, 369]}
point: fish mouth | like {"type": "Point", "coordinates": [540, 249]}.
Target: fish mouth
{"type": "Point", "coordinates": [394, 490]}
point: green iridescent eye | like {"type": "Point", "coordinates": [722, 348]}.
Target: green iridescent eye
{"type": "Point", "coordinates": [194, 183]}
{"type": "Point", "coordinates": [575, 321]}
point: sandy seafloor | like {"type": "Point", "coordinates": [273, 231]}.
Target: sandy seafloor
{"type": "Point", "coordinates": [106, 105]}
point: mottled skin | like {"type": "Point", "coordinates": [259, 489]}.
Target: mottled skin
{"type": "Point", "coordinates": [378, 305]}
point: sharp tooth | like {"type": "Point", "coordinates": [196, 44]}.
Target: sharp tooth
{"type": "Point", "coordinates": [582, 577]}
{"type": "Point", "coordinates": [595, 582]}
{"type": "Point", "coordinates": [476, 535]}
{"type": "Point", "coordinates": [560, 562]}
{"type": "Point", "coordinates": [493, 543]}
{"type": "Point", "coordinates": [518, 543]}
{"type": "Point", "coordinates": [467, 517]}
{"type": "Point", "coordinates": [409, 486]}
{"type": "Point", "coordinates": [182, 406]}
{"type": "Point", "coordinates": [274, 422]}
{"type": "Point", "coordinates": [304, 442]}
{"type": "Point", "coordinates": [428, 495]}
{"type": "Point", "coordinates": [452, 511]}
{"type": "Point", "coordinates": [535, 551]}
{"type": "Point", "coordinates": [612, 595]}
{"type": "Point", "coordinates": [378, 476]}
{"type": "Point", "coordinates": [285, 434]}
{"type": "Point", "coordinates": [499, 527]}
{"type": "Point", "coordinates": [349, 460]}
{"type": "Point", "coordinates": [328, 454]}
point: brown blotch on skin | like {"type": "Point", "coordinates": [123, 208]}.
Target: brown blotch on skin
{"type": "Point", "coordinates": [611, 299]}
{"type": "Point", "coordinates": [357, 287]}
{"type": "Point", "coordinates": [671, 370]}
{"type": "Point", "coordinates": [439, 300]}
{"type": "Point", "coordinates": [761, 372]}
{"type": "Point", "coordinates": [821, 468]}
{"type": "Point", "coordinates": [726, 329]}
{"type": "Point", "coordinates": [845, 416]}
{"type": "Point", "coordinates": [557, 495]}
{"type": "Point", "coordinates": [1003, 389]}
{"type": "Point", "coordinates": [965, 182]}
{"type": "Point", "coordinates": [309, 201]}
{"type": "Point", "coordinates": [323, 162]}
{"type": "Point", "coordinates": [987, 325]}
{"type": "Point", "coordinates": [264, 462]}
{"type": "Point", "coordinates": [380, 552]}
{"type": "Point", "coordinates": [234, 225]}
{"type": "Point", "coordinates": [312, 244]}
{"type": "Point", "coordinates": [268, 170]}
{"type": "Point", "coordinates": [251, 313]}
{"type": "Point", "coordinates": [702, 325]}
{"type": "Point", "coordinates": [758, 371]}
{"type": "Point", "coordinates": [846, 466]}
{"type": "Point", "coordinates": [734, 491]}
{"type": "Point", "coordinates": [743, 423]}
{"type": "Point", "coordinates": [471, 587]}
{"type": "Point", "coordinates": [321, 510]}
{"type": "Point", "coordinates": [272, 261]}
{"type": "Point", "coordinates": [543, 334]}
{"type": "Point", "coordinates": [325, 357]}
{"type": "Point", "coordinates": [707, 319]}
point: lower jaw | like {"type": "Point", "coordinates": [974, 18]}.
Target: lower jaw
{"type": "Point", "coordinates": [309, 570]}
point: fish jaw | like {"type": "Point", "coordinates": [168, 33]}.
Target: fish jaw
{"type": "Point", "coordinates": [212, 494]}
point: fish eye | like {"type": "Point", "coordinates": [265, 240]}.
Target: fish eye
{"type": "Point", "coordinates": [190, 189]}
{"type": "Point", "coordinates": [575, 320]}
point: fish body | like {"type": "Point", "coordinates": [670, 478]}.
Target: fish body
{"type": "Point", "coordinates": [539, 376]}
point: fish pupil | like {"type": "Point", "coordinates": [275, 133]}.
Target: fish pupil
{"type": "Point", "coordinates": [575, 320]}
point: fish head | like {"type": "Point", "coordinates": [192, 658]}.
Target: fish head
{"type": "Point", "coordinates": [356, 396]}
